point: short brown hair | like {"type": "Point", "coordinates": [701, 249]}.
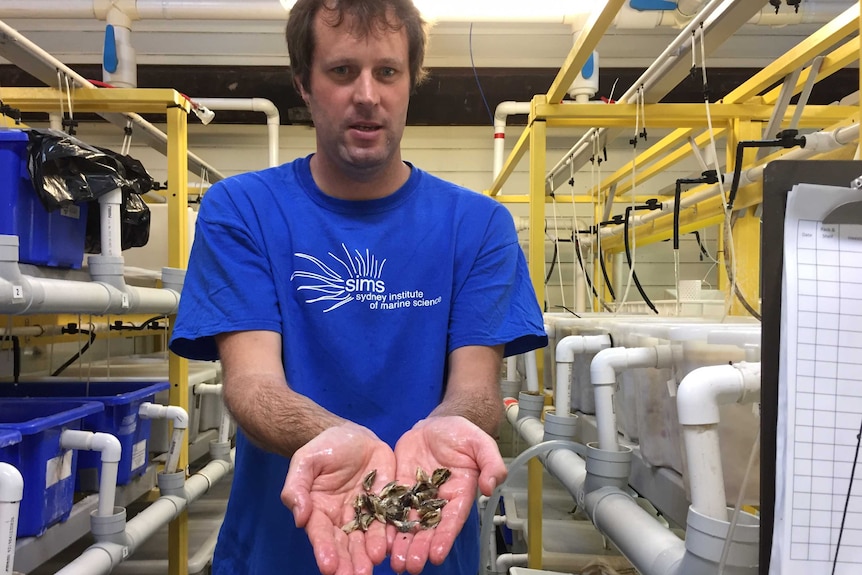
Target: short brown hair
{"type": "Point", "coordinates": [370, 15]}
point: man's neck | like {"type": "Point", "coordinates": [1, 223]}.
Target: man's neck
{"type": "Point", "coordinates": [371, 185]}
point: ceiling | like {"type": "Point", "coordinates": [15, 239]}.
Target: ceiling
{"type": "Point", "coordinates": [513, 61]}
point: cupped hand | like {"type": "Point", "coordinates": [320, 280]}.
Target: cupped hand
{"type": "Point", "coordinates": [473, 458]}
{"type": "Point", "coordinates": [323, 480]}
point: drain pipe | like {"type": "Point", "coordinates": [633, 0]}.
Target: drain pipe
{"type": "Point", "coordinates": [501, 114]}
{"type": "Point", "coordinates": [647, 544]}
{"type": "Point", "coordinates": [111, 450]}
{"type": "Point", "coordinates": [273, 120]}
{"type": "Point", "coordinates": [11, 493]}
{"type": "Point", "coordinates": [180, 419]}
{"type": "Point", "coordinates": [569, 347]}
{"type": "Point", "coordinates": [698, 399]}
{"type": "Point", "coordinates": [101, 557]}
{"type": "Point", "coordinates": [23, 294]}
{"type": "Point", "coordinates": [532, 368]}
{"type": "Point", "coordinates": [603, 373]}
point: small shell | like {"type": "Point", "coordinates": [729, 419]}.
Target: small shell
{"type": "Point", "coordinates": [433, 504]}
{"type": "Point", "coordinates": [405, 526]}
{"type": "Point", "coordinates": [421, 476]}
{"type": "Point", "coordinates": [369, 480]}
{"type": "Point", "coordinates": [430, 519]}
{"type": "Point", "coordinates": [365, 521]}
{"type": "Point", "coordinates": [351, 527]}
{"type": "Point", "coordinates": [440, 475]}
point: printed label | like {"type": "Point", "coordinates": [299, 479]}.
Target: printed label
{"type": "Point", "coordinates": [58, 469]}
{"type": "Point", "coordinates": [337, 280]}
{"type": "Point", "coordinates": [72, 211]}
{"type": "Point", "coordinates": [17, 292]}
{"type": "Point", "coordinates": [139, 454]}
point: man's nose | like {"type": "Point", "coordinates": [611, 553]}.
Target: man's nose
{"type": "Point", "coordinates": [365, 89]}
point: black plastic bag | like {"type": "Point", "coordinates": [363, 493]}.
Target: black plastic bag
{"type": "Point", "coordinates": [66, 171]}
{"type": "Point", "coordinates": [134, 224]}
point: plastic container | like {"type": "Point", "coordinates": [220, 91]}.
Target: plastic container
{"type": "Point", "coordinates": [48, 469]}
{"type": "Point", "coordinates": [45, 238]}
{"type": "Point", "coordinates": [120, 418]}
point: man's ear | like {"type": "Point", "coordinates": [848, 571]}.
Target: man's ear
{"type": "Point", "coordinates": [297, 83]}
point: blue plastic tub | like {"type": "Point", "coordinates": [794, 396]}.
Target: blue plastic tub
{"type": "Point", "coordinates": [45, 238]}
{"type": "Point", "coordinates": [120, 418]}
{"type": "Point", "coordinates": [47, 468]}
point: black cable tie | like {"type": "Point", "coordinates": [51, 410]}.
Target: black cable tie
{"type": "Point", "coordinates": [128, 130]}
{"type": "Point", "coordinates": [643, 134]}
{"type": "Point", "coordinates": [634, 142]}
{"type": "Point", "coordinates": [571, 181]}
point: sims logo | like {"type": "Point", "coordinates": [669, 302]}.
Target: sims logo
{"type": "Point", "coordinates": [346, 278]}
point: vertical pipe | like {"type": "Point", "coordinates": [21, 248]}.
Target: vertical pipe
{"type": "Point", "coordinates": [11, 493]}
{"type": "Point", "coordinates": [110, 230]}
{"type": "Point", "coordinates": [178, 367]}
{"type": "Point", "coordinates": [538, 148]}
{"type": "Point", "coordinates": [531, 363]}
{"type": "Point", "coordinates": [107, 488]}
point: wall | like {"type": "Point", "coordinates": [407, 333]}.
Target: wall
{"type": "Point", "coordinates": [462, 155]}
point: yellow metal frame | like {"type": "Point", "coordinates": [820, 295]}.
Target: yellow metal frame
{"type": "Point", "coordinates": [176, 107]}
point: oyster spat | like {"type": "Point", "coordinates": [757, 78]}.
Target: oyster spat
{"type": "Point", "coordinates": [395, 502]}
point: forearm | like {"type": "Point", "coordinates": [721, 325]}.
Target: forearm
{"type": "Point", "coordinates": [485, 409]}
{"type": "Point", "coordinates": [272, 415]}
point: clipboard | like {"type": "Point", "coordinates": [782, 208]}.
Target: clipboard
{"type": "Point", "coordinates": [779, 177]}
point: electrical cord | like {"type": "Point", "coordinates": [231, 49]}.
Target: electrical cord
{"type": "Point", "coordinates": [16, 356]}
{"type": "Point", "coordinates": [152, 323]}
{"type": "Point", "coordinates": [73, 329]}
{"type": "Point", "coordinates": [703, 250]}
{"type": "Point", "coordinates": [607, 279]}
{"type": "Point", "coordinates": [476, 75]}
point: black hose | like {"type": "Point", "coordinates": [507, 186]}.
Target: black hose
{"type": "Point", "coordinates": [584, 269]}
{"type": "Point", "coordinates": [646, 298]}
{"type": "Point", "coordinates": [553, 263]}
{"type": "Point", "coordinates": [784, 139]}
{"type": "Point", "coordinates": [16, 356]}
{"type": "Point", "coordinates": [607, 279]}
{"type": "Point", "coordinates": [708, 177]}
{"type": "Point", "coordinates": [72, 329]}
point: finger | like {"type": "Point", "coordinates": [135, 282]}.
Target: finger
{"type": "Point", "coordinates": [376, 542]}
{"type": "Point", "coordinates": [454, 514]}
{"type": "Point", "coordinates": [296, 494]}
{"type": "Point", "coordinates": [322, 535]}
{"type": "Point", "coordinates": [492, 468]}
{"type": "Point", "coordinates": [358, 556]}
{"type": "Point", "coordinates": [398, 553]}
{"type": "Point", "coordinates": [417, 555]}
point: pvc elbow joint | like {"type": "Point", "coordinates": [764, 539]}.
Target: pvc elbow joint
{"type": "Point", "coordinates": [178, 415]}
{"type": "Point", "coordinates": [603, 369]}
{"type": "Point", "coordinates": [11, 484]}
{"type": "Point", "coordinates": [105, 443]}
{"type": "Point", "coordinates": [703, 390]}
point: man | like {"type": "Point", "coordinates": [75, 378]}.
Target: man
{"type": "Point", "coordinates": [360, 308]}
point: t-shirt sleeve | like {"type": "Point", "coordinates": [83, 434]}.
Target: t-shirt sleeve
{"type": "Point", "coordinates": [495, 303]}
{"type": "Point", "coordinates": [229, 284]}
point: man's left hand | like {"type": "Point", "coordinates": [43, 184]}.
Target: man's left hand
{"type": "Point", "coordinates": [472, 456]}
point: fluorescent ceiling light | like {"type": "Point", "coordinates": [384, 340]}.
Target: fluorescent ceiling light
{"type": "Point", "coordinates": [499, 10]}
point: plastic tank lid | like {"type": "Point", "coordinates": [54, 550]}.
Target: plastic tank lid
{"type": "Point", "coordinates": [13, 135]}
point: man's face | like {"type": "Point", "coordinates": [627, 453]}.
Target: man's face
{"type": "Point", "coordinates": [358, 97]}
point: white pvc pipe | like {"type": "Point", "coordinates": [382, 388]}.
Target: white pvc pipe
{"type": "Point", "coordinates": [101, 558]}
{"type": "Point", "coordinates": [652, 548]}
{"type": "Point", "coordinates": [508, 560]}
{"type": "Point", "coordinates": [111, 451]}
{"type": "Point", "coordinates": [224, 424]}
{"type": "Point", "coordinates": [698, 398]}
{"type": "Point", "coordinates": [501, 114]}
{"type": "Point", "coordinates": [11, 493]}
{"type": "Point", "coordinates": [815, 143]}
{"type": "Point", "coordinates": [512, 368]}
{"type": "Point", "coordinates": [111, 224]}
{"type": "Point", "coordinates": [180, 418]}
{"type": "Point", "coordinates": [273, 120]}
{"type": "Point", "coordinates": [676, 49]}
{"type": "Point", "coordinates": [603, 373]}
{"type": "Point", "coordinates": [567, 348]}
{"type": "Point", "coordinates": [532, 371]}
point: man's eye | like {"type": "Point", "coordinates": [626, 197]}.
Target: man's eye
{"type": "Point", "coordinates": [340, 70]}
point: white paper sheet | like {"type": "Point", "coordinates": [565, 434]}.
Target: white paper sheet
{"type": "Point", "coordinates": [818, 514]}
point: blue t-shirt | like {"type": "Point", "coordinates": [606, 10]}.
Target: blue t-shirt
{"type": "Point", "coordinates": [369, 297]}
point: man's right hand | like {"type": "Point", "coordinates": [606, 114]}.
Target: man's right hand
{"type": "Point", "coordinates": [324, 478]}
